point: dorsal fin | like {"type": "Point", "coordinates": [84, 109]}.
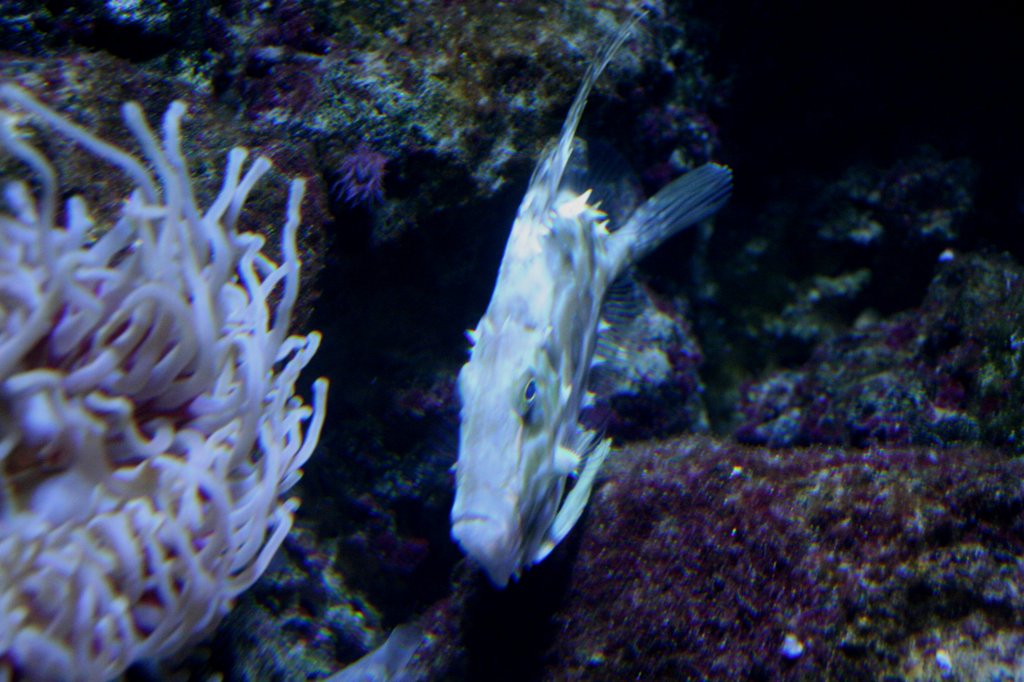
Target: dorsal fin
{"type": "Point", "coordinates": [597, 166]}
{"type": "Point", "coordinates": [547, 177]}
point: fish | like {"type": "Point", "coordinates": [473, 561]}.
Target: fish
{"type": "Point", "coordinates": [387, 663]}
{"type": "Point", "coordinates": [525, 465]}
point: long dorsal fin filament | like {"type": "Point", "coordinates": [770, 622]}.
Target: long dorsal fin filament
{"type": "Point", "coordinates": [547, 178]}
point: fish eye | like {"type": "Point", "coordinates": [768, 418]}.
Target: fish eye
{"type": "Point", "coordinates": [530, 392]}
{"type": "Point", "coordinates": [527, 397]}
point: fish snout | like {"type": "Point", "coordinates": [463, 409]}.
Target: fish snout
{"type": "Point", "coordinates": [492, 542]}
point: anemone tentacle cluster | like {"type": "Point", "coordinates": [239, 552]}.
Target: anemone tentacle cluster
{"type": "Point", "coordinates": [149, 425]}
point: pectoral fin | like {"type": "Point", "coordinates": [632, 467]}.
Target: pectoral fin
{"type": "Point", "coordinates": [576, 501]}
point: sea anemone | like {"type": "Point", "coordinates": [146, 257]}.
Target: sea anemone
{"type": "Point", "coordinates": [149, 426]}
{"type": "Point", "coordinates": [361, 177]}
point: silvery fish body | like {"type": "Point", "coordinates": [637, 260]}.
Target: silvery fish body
{"type": "Point", "coordinates": [526, 378]}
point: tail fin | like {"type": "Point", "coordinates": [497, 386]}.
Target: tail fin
{"type": "Point", "coordinates": [683, 202]}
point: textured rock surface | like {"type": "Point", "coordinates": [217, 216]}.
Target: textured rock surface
{"type": "Point", "coordinates": [699, 559]}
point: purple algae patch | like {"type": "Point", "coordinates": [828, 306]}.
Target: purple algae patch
{"type": "Point", "coordinates": [701, 560]}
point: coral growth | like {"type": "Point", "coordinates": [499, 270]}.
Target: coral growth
{"type": "Point", "coordinates": [947, 371]}
{"type": "Point", "coordinates": [829, 254]}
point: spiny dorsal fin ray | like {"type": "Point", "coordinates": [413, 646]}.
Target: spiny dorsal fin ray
{"type": "Point", "coordinates": [596, 165]}
{"type": "Point", "coordinates": [683, 202]}
{"type": "Point", "coordinates": [552, 165]}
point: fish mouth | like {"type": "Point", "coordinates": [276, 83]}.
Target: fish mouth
{"type": "Point", "coordinates": [490, 541]}
{"type": "Point", "coordinates": [468, 517]}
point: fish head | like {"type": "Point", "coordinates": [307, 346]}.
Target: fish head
{"type": "Point", "coordinates": [504, 499]}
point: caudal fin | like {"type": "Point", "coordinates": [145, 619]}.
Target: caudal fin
{"type": "Point", "coordinates": [683, 202]}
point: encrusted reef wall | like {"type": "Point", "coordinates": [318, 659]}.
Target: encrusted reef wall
{"type": "Point", "coordinates": [705, 560]}
{"type": "Point", "coordinates": [434, 104]}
